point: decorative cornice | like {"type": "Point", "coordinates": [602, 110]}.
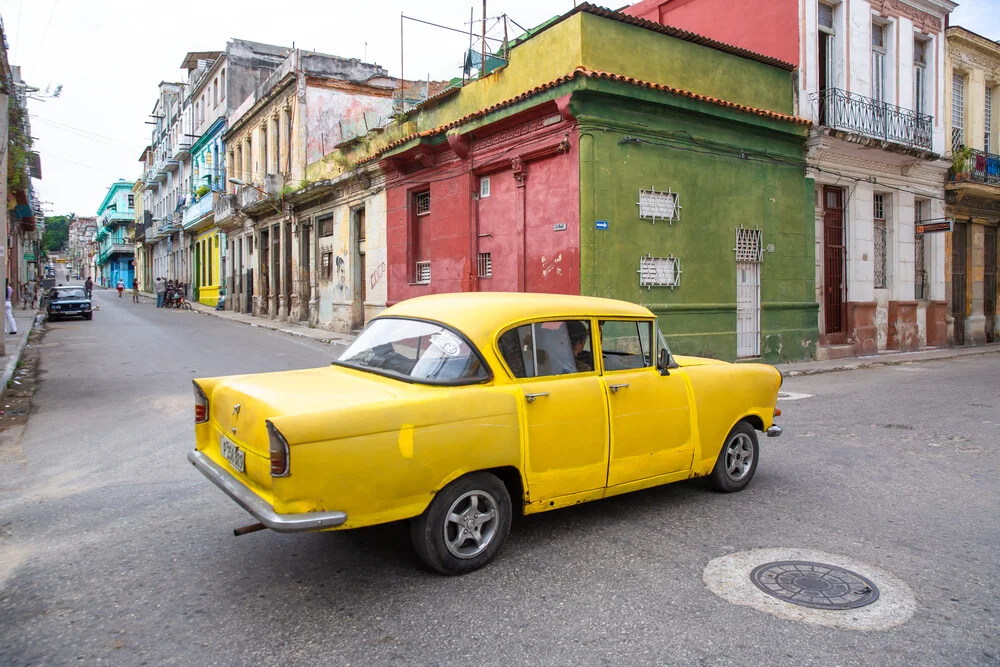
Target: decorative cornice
{"type": "Point", "coordinates": [922, 20]}
{"type": "Point", "coordinates": [963, 54]}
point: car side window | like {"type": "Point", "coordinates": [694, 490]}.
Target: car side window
{"type": "Point", "coordinates": [626, 345]}
{"type": "Point", "coordinates": [548, 348]}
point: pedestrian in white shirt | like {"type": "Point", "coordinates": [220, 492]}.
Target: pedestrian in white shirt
{"type": "Point", "coordinates": [8, 311]}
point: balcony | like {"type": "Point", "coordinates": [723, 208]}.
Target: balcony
{"type": "Point", "coordinates": [153, 234]}
{"type": "Point", "coordinates": [120, 246]}
{"type": "Point", "coordinates": [975, 166]}
{"type": "Point", "coordinates": [199, 210]}
{"type": "Point", "coordinates": [850, 112]}
{"type": "Point", "coordinates": [181, 150]}
{"type": "Point", "coordinates": [169, 223]}
{"type": "Point", "coordinates": [226, 208]}
{"type": "Point", "coordinates": [249, 196]}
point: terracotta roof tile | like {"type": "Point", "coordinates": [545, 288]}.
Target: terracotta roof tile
{"type": "Point", "coordinates": [593, 74]}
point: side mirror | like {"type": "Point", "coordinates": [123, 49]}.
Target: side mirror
{"type": "Point", "coordinates": [663, 362]}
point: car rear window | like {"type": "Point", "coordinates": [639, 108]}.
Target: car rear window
{"type": "Point", "coordinates": [68, 293]}
{"type": "Point", "coordinates": [416, 350]}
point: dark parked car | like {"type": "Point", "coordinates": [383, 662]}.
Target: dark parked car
{"type": "Point", "coordinates": [69, 302]}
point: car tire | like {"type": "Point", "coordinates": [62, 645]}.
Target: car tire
{"type": "Point", "coordinates": [737, 460]}
{"type": "Point", "coordinates": [88, 316]}
{"type": "Point", "coordinates": [464, 526]}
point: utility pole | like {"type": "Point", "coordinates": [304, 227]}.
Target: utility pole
{"type": "Point", "coordinates": [4, 150]}
{"type": "Point", "coordinates": [482, 62]}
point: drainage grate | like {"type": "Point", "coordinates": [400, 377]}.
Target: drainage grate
{"type": "Point", "coordinates": [815, 585]}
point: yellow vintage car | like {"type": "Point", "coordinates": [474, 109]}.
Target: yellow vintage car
{"type": "Point", "coordinates": [455, 411]}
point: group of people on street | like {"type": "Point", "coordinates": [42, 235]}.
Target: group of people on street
{"type": "Point", "coordinates": [120, 286]}
{"type": "Point", "coordinates": [169, 293]}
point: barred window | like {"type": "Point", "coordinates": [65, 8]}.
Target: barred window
{"type": "Point", "coordinates": [422, 201]}
{"type": "Point", "coordinates": [422, 273]}
{"type": "Point", "coordinates": [957, 111]}
{"type": "Point", "coordinates": [326, 266]}
{"type": "Point", "coordinates": [879, 239]}
{"type": "Point", "coordinates": [484, 264]}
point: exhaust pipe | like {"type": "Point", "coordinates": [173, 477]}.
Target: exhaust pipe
{"type": "Point", "coordinates": [252, 528]}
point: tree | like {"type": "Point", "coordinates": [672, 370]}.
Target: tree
{"type": "Point", "coordinates": [56, 233]}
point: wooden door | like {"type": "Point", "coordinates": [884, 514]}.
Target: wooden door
{"type": "Point", "coordinates": [959, 248]}
{"type": "Point", "coordinates": [834, 266]}
{"type": "Point", "coordinates": [990, 283]}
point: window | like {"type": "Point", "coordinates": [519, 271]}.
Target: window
{"type": "Point", "coordinates": [325, 225]}
{"type": "Point", "coordinates": [222, 87]}
{"type": "Point", "coordinates": [957, 111]}
{"type": "Point", "coordinates": [422, 202]}
{"type": "Point", "coordinates": [326, 266]}
{"type": "Point", "coordinates": [484, 187]}
{"type": "Point", "coordinates": [422, 273]}
{"type": "Point", "coordinates": [825, 16]}
{"type": "Point", "coordinates": [548, 348]}
{"type": "Point", "coordinates": [878, 62]}
{"type": "Point", "coordinates": [659, 272]}
{"type": "Point", "coordinates": [264, 158]}
{"type": "Point", "coordinates": [215, 92]}
{"type": "Point", "coordinates": [626, 345]}
{"type": "Point", "coordinates": [484, 265]}
{"type": "Point", "coordinates": [879, 239]}
{"type": "Point", "coordinates": [919, 262]}
{"type": "Point", "coordinates": [919, 76]}
{"type": "Point", "coordinates": [131, 201]}
{"type": "Point", "coordinates": [988, 117]}
{"type": "Point", "coordinates": [416, 350]}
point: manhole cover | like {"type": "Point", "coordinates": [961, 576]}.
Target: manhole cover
{"type": "Point", "coordinates": [815, 585]}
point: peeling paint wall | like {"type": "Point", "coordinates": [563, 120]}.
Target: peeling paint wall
{"type": "Point", "coordinates": [334, 115]}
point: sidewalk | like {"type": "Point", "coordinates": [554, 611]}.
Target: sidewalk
{"type": "Point", "coordinates": [14, 344]}
{"type": "Point", "coordinates": [882, 359]}
{"type": "Point", "coordinates": [320, 335]}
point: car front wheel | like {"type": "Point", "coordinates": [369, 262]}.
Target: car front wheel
{"type": "Point", "coordinates": [464, 526]}
{"type": "Point", "coordinates": [737, 461]}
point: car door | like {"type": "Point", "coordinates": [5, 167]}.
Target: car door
{"type": "Point", "coordinates": [566, 407]}
{"type": "Point", "coordinates": [650, 414]}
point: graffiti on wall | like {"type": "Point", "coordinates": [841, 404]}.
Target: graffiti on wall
{"type": "Point", "coordinates": [377, 275]}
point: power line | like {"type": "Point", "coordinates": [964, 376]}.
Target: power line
{"type": "Point", "coordinates": [71, 128]}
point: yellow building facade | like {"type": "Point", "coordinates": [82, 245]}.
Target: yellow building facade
{"type": "Point", "coordinates": [973, 191]}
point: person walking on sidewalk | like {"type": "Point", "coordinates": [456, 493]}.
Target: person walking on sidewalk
{"type": "Point", "coordinates": [120, 286]}
{"type": "Point", "coordinates": [135, 290]}
{"type": "Point", "coordinates": [88, 286]}
{"type": "Point", "coordinates": [8, 311]}
{"type": "Point", "coordinates": [161, 291]}
{"type": "Point", "coordinates": [29, 294]}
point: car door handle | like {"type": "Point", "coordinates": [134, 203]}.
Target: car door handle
{"type": "Point", "coordinates": [615, 387]}
{"type": "Point", "coordinates": [531, 397]}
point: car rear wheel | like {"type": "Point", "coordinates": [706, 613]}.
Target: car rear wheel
{"type": "Point", "coordinates": [464, 526]}
{"type": "Point", "coordinates": [737, 461]}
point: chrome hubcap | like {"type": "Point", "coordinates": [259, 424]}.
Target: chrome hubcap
{"type": "Point", "coordinates": [471, 524]}
{"type": "Point", "coordinates": [739, 456]}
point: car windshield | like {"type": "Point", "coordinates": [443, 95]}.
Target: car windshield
{"type": "Point", "coordinates": [68, 293]}
{"type": "Point", "coordinates": [416, 350]}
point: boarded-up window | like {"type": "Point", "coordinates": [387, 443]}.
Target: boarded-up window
{"type": "Point", "coordinates": [325, 224]}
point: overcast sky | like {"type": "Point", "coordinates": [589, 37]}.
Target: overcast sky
{"type": "Point", "coordinates": [110, 55]}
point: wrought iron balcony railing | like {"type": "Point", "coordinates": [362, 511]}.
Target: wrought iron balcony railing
{"type": "Point", "coordinates": [856, 113]}
{"type": "Point", "coordinates": [976, 166]}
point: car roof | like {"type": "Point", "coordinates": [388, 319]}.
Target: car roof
{"type": "Point", "coordinates": [480, 314]}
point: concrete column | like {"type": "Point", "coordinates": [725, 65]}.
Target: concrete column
{"type": "Point", "coordinates": [273, 274]}
{"type": "Point", "coordinates": [283, 259]}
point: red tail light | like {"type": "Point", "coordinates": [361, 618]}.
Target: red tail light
{"type": "Point", "coordinates": [279, 451]}
{"type": "Point", "coordinates": [200, 405]}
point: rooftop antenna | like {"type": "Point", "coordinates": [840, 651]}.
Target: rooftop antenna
{"type": "Point", "coordinates": [482, 62]}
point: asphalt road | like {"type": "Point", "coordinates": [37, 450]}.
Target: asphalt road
{"type": "Point", "coordinates": [114, 549]}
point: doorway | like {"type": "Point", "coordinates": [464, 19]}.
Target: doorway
{"type": "Point", "coordinates": [305, 271]}
{"type": "Point", "coordinates": [748, 255]}
{"type": "Point", "coordinates": [990, 283]}
{"type": "Point", "coordinates": [360, 270]}
{"type": "Point", "coordinates": [959, 248]}
{"type": "Point", "coordinates": [834, 265]}
{"type": "Point", "coordinates": [264, 247]}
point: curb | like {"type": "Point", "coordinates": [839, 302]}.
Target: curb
{"type": "Point", "coordinates": [13, 357]}
{"type": "Point", "coordinates": [261, 325]}
{"type": "Point", "coordinates": [875, 363]}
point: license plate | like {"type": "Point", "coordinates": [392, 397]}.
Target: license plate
{"type": "Point", "coordinates": [232, 453]}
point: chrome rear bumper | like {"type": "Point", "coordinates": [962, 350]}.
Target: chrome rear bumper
{"type": "Point", "coordinates": [774, 431]}
{"type": "Point", "coordinates": [251, 502]}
